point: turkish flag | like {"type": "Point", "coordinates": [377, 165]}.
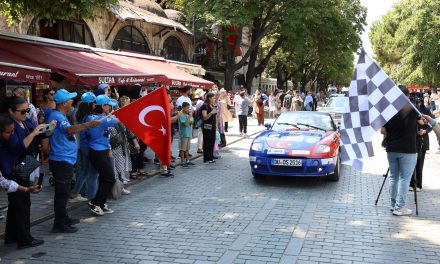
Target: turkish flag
{"type": "Point", "coordinates": [149, 119]}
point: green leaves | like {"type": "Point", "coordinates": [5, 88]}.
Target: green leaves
{"type": "Point", "coordinates": [406, 42]}
{"type": "Point", "coordinates": [51, 10]}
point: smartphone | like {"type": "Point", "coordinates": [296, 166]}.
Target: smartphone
{"type": "Point", "coordinates": [40, 180]}
{"type": "Point", "coordinates": [48, 127]}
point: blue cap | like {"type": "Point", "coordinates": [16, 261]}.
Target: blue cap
{"type": "Point", "coordinates": [88, 97]}
{"type": "Point", "coordinates": [62, 95]}
{"type": "Point", "coordinates": [102, 86]}
{"type": "Point", "coordinates": [104, 100]}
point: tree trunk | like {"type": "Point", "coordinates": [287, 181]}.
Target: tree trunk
{"type": "Point", "coordinates": [281, 81]}
{"type": "Point", "coordinates": [229, 79]}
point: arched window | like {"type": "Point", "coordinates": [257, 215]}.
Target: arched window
{"type": "Point", "coordinates": [129, 38]}
{"type": "Point", "coordinates": [173, 49]}
{"type": "Point", "coordinates": [75, 31]}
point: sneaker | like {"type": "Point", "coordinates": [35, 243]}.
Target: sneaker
{"type": "Point", "coordinates": [107, 210]}
{"type": "Point", "coordinates": [411, 189]}
{"type": "Point", "coordinates": [167, 174]}
{"type": "Point", "coordinates": [125, 191]}
{"type": "Point", "coordinates": [33, 243]}
{"type": "Point", "coordinates": [190, 163]}
{"type": "Point", "coordinates": [418, 189]}
{"type": "Point", "coordinates": [185, 166]}
{"type": "Point", "coordinates": [172, 167]}
{"type": "Point", "coordinates": [189, 155]}
{"type": "Point", "coordinates": [211, 162]}
{"type": "Point", "coordinates": [157, 161]}
{"type": "Point", "coordinates": [95, 209]}
{"type": "Point", "coordinates": [402, 211]}
{"type": "Point", "coordinates": [78, 198]}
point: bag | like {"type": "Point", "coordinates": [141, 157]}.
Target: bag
{"type": "Point", "coordinates": [117, 189]}
{"type": "Point", "coordinates": [198, 118]}
{"type": "Point", "coordinates": [24, 167]}
{"type": "Point", "coordinates": [207, 126]}
{"type": "Point", "coordinates": [115, 138]}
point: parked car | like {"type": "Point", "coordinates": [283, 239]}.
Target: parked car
{"type": "Point", "coordinates": [335, 106]}
{"type": "Point", "coordinates": [297, 144]}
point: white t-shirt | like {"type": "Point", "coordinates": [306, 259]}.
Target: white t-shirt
{"type": "Point", "coordinates": [182, 99]}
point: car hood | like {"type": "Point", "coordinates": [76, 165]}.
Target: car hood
{"type": "Point", "coordinates": [299, 139]}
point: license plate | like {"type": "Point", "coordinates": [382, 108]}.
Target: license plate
{"type": "Point", "coordinates": [287, 162]}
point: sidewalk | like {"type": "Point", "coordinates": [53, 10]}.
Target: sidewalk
{"type": "Point", "coordinates": [42, 203]}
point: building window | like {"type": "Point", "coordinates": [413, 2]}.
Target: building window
{"type": "Point", "coordinates": [129, 38]}
{"type": "Point", "coordinates": [173, 50]}
{"type": "Point", "coordinates": [66, 30]}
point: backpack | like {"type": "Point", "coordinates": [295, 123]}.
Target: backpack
{"type": "Point", "coordinates": [198, 121]}
{"type": "Point", "coordinates": [287, 101]}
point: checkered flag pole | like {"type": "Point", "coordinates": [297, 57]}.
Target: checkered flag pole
{"type": "Point", "coordinates": [373, 100]}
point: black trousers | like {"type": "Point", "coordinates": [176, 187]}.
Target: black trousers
{"type": "Point", "coordinates": [419, 170]}
{"type": "Point", "coordinates": [226, 126]}
{"type": "Point", "coordinates": [18, 228]}
{"type": "Point", "coordinates": [242, 123]}
{"type": "Point", "coordinates": [208, 144]}
{"type": "Point", "coordinates": [62, 176]}
{"type": "Point", "coordinates": [103, 164]}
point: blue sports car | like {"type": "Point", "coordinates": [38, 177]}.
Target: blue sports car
{"type": "Point", "coordinates": [297, 144]}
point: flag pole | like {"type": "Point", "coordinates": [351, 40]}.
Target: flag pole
{"type": "Point", "coordinates": [418, 111]}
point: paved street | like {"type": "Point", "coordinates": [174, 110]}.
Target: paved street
{"type": "Point", "coordinates": [219, 214]}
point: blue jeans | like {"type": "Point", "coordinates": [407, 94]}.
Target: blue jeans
{"type": "Point", "coordinates": [86, 172]}
{"type": "Point", "coordinates": [401, 169]}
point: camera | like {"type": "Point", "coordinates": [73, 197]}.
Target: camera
{"type": "Point", "coordinates": [416, 97]}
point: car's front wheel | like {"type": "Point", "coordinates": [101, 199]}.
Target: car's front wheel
{"type": "Point", "coordinates": [335, 175]}
{"type": "Point", "coordinates": [257, 176]}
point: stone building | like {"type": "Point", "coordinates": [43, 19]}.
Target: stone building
{"type": "Point", "coordinates": [132, 25]}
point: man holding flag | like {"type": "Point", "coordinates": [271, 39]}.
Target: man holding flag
{"type": "Point", "coordinates": [376, 101]}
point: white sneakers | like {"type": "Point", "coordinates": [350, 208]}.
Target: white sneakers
{"type": "Point", "coordinates": [402, 211]}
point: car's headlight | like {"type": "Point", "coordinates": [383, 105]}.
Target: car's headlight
{"type": "Point", "coordinates": [322, 149]}
{"type": "Point", "coordinates": [257, 146]}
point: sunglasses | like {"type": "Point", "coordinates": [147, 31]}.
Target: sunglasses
{"type": "Point", "coordinates": [24, 111]}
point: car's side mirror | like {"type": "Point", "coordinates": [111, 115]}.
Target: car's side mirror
{"type": "Point", "coordinates": [268, 126]}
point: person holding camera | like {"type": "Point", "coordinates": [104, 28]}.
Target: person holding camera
{"type": "Point", "coordinates": [18, 138]}
{"type": "Point", "coordinates": [401, 151]}
{"type": "Point", "coordinates": [209, 113]}
{"type": "Point", "coordinates": [62, 158]}
{"type": "Point", "coordinates": [422, 141]}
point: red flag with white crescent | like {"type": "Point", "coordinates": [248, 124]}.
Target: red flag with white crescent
{"type": "Point", "coordinates": [149, 119]}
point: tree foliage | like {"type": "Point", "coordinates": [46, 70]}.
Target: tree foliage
{"type": "Point", "coordinates": [299, 28]}
{"type": "Point", "coordinates": [50, 10]}
{"type": "Point", "coordinates": [406, 42]}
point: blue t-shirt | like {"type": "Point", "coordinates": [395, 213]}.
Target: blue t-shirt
{"type": "Point", "coordinates": [99, 137]}
{"type": "Point", "coordinates": [63, 147]}
{"type": "Point", "coordinates": [185, 131]}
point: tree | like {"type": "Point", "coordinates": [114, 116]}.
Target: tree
{"type": "Point", "coordinates": [272, 23]}
{"type": "Point", "coordinates": [51, 10]}
{"type": "Point", "coordinates": [406, 42]}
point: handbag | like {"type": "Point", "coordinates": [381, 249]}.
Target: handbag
{"type": "Point", "coordinates": [117, 189]}
{"type": "Point", "coordinates": [24, 167]}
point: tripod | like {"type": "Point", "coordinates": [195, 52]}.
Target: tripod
{"type": "Point", "coordinates": [413, 180]}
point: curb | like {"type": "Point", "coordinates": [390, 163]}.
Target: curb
{"type": "Point", "coordinates": [153, 174]}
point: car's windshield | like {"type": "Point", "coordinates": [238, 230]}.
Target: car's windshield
{"type": "Point", "coordinates": [337, 102]}
{"type": "Point", "coordinates": [303, 120]}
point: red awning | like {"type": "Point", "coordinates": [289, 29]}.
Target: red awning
{"type": "Point", "coordinates": [80, 66]}
{"type": "Point", "coordinates": [173, 76]}
{"type": "Point", "coordinates": [16, 68]}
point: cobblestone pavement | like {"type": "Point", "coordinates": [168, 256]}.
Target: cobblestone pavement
{"type": "Point", "coordinates": [219, 214]}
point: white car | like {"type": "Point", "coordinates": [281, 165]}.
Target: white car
{"type": "Point", "coordinates": [335, 106]}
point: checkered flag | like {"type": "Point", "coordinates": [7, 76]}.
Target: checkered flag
{"type": "Point", "coordinates": [373, 100]}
